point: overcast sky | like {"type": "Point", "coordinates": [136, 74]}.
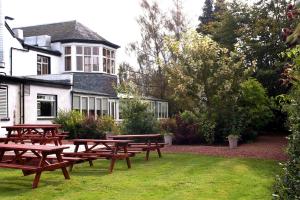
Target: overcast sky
{"type": "Point", "coordinates": [115, 20]}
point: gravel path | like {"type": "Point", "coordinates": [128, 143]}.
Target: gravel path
{"type": "Point", "coordinates": [265, 147]}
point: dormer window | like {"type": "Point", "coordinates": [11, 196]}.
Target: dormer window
{"type": "Point", "coordinates": [43, 65]}
{"type": "Point", "coordinates": [108, 61]}
{"type": "Point", "coordinates": [68, 63]}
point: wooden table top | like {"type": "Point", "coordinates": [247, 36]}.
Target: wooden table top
{"type": "Point", "coordinates": [135, 136]}
{"type": "Point", "coordinates": [33, 126]}
{"type": "Point", "coordinates": [22, 147]}
{"type": "Point", "coordinates": [102, 141]}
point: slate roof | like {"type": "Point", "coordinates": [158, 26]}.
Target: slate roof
{"type": "Point", "coordinates": [95, 83]}
{"type": "Point", "coordinates": [65, 32]}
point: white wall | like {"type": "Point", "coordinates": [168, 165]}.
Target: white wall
{"type": "Point", "coordinates": [9, 41]}
{"type": "Point", "coordinates": [63, 102]}
{"type": "Point", "coordinates": [13, 107]}
{"type": "Point", "coordinates": [25, 63]}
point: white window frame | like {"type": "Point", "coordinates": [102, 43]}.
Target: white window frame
{"type": "Point", "coordinates": [88, 104]}
{"type": "Point", "coordinates": [46, 100]}
{"type": "Point", "coordinates": [92, 56]}
{"type": "Point", "coordinates": [109, 59]}
{"type": "Point", "coordinates": [4, 89]}
{"type": "Point", "coordinates": [43, 63]}
{"type": "Point", "coordinates": [67, 55]}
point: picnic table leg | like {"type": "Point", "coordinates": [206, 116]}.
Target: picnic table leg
{"type": "Point", "coordinates": [90, 161]}
{"type": "Point", "coordinates": [63, 168]}
{"type": "Point", "coordinates": [113, 159]}
{"type": "Point", "coordinates": [112, 164]}
{"type": "Point", "coordinates": [75, 150]}
{"type": "Point", "coordinates": [147, 154]}
{"type": "Point", "coordinates": [127, 157]}
{"type": "Point", "coordinates": [159, 152]}
{"type": "Point", "coordinates": [39, 172]}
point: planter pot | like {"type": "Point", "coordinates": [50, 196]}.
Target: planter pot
{"type": "Point", "coordinates": [168, 139]}
{"type": "Point", "coordinates": [233, 141]}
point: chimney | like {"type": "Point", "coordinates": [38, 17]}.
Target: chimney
{"type": "Point", "coordinates": [2, 29]}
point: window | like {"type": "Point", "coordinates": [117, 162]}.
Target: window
{"type": "Point", "coordinates": [68, 62]}
{"type": "Point", "coordinates": [43, 65]}
{"type": "Point", "coordinates": [98, 107]}
{"type": "Point", "coordinates": [79, 58]}
{"type": "Point", "coordinates": [76, 103]}
{"type": "Point", "coordinates": [87, 59]}
{"type": "Point", "coordinates": [3, 102]}
{"type": "Point", "coordinates": [84, 105]}
{"type": "Point", "coordinates": [46, 106]}
{"type": "Point", "coordinates": [108, 61]}
{"type": "Point", "coordinates": [91, 106]}
{"type": "Point", "coordinates": [105, 106]}
{"type": "Point", "coordinates": [112, 109]}
{"type": "Point", "coordinates": [162, 110]}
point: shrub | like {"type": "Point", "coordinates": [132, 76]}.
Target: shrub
{"type": "Point", "coordinates": [287, 184]}
{"type": "Point", "coordinates": [70, 120]}
{"type": "Point", "coordinates": [186, 132]}
{"type": "Point", "coordinates": [167, 126]}
{"type": "Point", "coordinates": [137, 119]}
{"type": "Point", "coordinates": [254, 104]}
{"type": "Point", "coordinates": [206, 128]}
{"type": "Point", "coordinates": [90, 129]}
{"type": "Point", "coordinates": [107, 124]}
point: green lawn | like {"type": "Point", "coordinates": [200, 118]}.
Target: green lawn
{"type": "Point", "coordinates": [175, 176]}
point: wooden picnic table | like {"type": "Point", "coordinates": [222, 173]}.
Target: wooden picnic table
{"type": "Point", "coordinates": [109, 149]}
{"type": "Point", "coordinates": [38, 161]}
{"type": "Point", "coordinates": [150, 142]}
{"type": "Point", "coordinates": [41, 133]}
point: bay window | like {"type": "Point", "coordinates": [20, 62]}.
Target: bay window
{"type": "Point", "coordinates": [108, 61]}
{"type": "Point", "coordinates": [68, 62]}
{"type": "Point", "coordinates": [87, 58]}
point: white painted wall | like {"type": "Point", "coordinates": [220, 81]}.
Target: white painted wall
{"type": "Point", "coordinates": [9, 41]}
{"type": "Point", "coordinates": [13, 107]}
{"type": "Point", "coordinates": [63, 102]}
{"type": "Point", "coordinates": [25, 63]}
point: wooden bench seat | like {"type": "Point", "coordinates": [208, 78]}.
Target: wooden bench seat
{"type": "Point", "coordinates": [17, 166]}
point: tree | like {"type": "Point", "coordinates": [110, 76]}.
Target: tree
{"type": "Point", "coordinates": [204, 75]}
{"type": "Point", "coordinates": [206, 17]}
{"type": "Point", "coordinates": [151, 54]}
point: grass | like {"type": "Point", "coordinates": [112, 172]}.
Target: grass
{"type": "Point", "coordinates": [175, 176]}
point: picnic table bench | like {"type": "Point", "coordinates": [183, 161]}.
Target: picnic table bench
{"type": "Point", "coordinates": [144, 142]}
{"type": "Point", "coordinates": [109, 149]}
{"type": "Point", "coordinates": [39, 154]}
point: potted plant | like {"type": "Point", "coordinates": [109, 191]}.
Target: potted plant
{"type": "Point", "coordinates": [235, 132]}
{"type": "Point", "coordinates": [233, 141]}
{"type": "Point", "coordinates": [167, 127]}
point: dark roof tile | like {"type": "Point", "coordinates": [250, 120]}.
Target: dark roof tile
{"type": "Point", "coordinates": [71, 31]}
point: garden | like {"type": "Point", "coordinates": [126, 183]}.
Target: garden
{"type": "Point", "coordinates": [227, 83]}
